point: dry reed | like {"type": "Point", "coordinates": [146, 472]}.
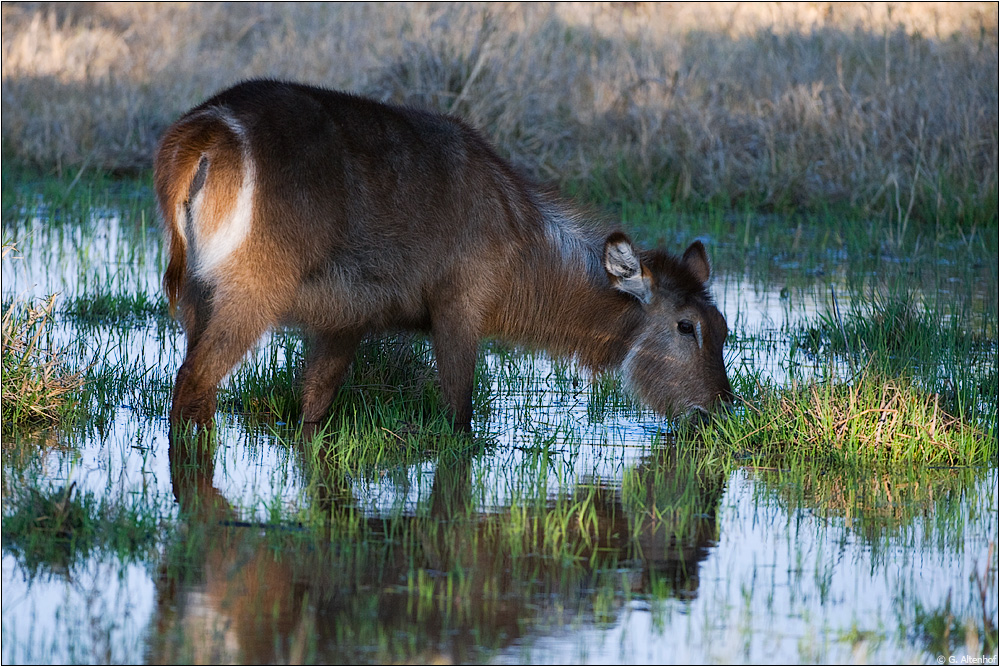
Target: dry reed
{"type": "Point", "coordinates": [887, 108]}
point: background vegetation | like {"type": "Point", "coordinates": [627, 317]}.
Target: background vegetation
{"type": "Point", "coordinates": [840, 160]}
{"type": "Point", "coordinates": [889, 109]}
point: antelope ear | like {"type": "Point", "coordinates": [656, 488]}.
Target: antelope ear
{"type": "Point", "coordinates": [625, 271]}
{"type": "Point", "coordinates": [696, 260]}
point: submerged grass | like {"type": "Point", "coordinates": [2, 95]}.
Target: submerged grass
{"type": "Point", "coordinates": [900, 380]}
{"type": "Point", "coordinates": [951, 354]}
{"type": "Point", "coordinates": [120, 308]}
{"type": "Point", "coordinates": [391, 379]}
{"type": "Point", "coordinates": [58, 529]}
{"type": "Point", "coordinates": [899, 329]}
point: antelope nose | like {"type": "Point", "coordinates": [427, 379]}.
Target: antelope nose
{"type": "Point", "coordinates": [698, 415]}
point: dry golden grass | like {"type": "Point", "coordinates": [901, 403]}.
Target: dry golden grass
{"type": "Point", "coordinates": [890, 108]}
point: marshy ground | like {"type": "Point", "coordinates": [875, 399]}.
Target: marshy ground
{"type": "Point", "coordinates": [839, 163]}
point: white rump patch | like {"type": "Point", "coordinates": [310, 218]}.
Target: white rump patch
{"type": "Point", "coordinates": [212, 251]}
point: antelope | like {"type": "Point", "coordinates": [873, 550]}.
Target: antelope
{"type": "Point", "coordinates": [286, 204]}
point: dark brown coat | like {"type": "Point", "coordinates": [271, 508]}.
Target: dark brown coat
{"type": "Point", "coordinates": [287, 204]}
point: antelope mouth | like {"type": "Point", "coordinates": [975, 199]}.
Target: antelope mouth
{"type": "Point", "coordinates": [699, 415]}
{"type": "Point", "coordinates": [696, 416]}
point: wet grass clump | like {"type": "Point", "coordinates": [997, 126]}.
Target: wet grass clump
{"type": "Point", "coordinates": [951, 355]}
{"type": "Point", "coordinates": [37, 387]}
{"type": "Point", "coordinates": [874, 419]}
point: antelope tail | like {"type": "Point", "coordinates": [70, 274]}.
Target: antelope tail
{"type": "Point", "coordinates": [200, 156]}
{"type": "Point", "coordinates": [176, 164]}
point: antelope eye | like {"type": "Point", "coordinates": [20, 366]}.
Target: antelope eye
{"type": "Point", "coordinates": [685, 327]}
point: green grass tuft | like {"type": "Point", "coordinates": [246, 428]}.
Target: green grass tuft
{"type": "Point", "coordinates": [121, 307]}
{"type": "Point", "coordinates": [895, 336]}
{"type": "Point", "coordinates": [874, 419]}
{"type": "Point", "coordinates": [36, 386]}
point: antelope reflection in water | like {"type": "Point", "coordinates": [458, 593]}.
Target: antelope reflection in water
{"type": "Point", "coordinates": [450, 583]}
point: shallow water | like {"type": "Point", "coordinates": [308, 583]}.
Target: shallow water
{"type": "Point", "coordinates": [573, 533]}
{"type": "Point", "coordinates": [758, 578]}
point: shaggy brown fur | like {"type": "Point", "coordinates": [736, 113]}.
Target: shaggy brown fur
{"type": "Point", "coordinates": [287, 204]}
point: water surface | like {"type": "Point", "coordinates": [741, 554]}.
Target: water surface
{"type": "Point", "coordinates": [571, 531]}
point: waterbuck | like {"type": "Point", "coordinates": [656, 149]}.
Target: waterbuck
{"type": "Point", "coordinates": [289, 204]}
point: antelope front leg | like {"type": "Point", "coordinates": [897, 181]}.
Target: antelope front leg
{"type": "Point", "coordinates": [455, 350]}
